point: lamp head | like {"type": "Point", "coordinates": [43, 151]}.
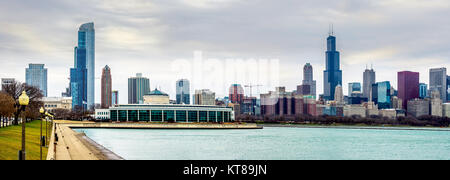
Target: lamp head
{"type": "Point", "coordinates": [24, 99]}
{"type": "Point", "coordinates": [42, 110]}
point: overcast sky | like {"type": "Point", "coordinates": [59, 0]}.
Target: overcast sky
{"type": "Point", "coordinates": [148, 36]}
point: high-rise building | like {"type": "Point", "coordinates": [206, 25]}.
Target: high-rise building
{"type": "Point", "coordinates": [137, 87]}
{"type": "Point", "coordinates": [436, 103]}
{"type": "Point", "coordinates": [183, 91]}
{"type": "Point", "coordinates": [423, 88]}
{"type": "Point", "coordinates": [368, 79]}
{"type": "Point", "coordinates": [354, 87]}
{"type": "Point", "coordinates": [36, 75]}
{"type": "Point", "coordinates": [85, 51]}
{"type": "Point", "coordinates": [7, 81]}
{"type": "Point", "coordinates": [204, 97]}
{"type": "Point", "coordinates": [236, 93]}
{"type": "Point", "coordinates": [408, 86]}
{"type": "Point", "coordinates": [438, 81]}
{"type": "Point", "coordinates": [308, 79]}
{"type": "Point", "coordinates": [381, 94]}
{"type": "Point", "coordinates": [448, 88]}
{"type": "Point", "coordinates": [418, 107]}
{"type": "Point", "coordinates": [332, 74]}
{"type": "Point", "coordinates": [339, 94]}
{"type": "Point", "coordinates": [106, 87]}
{"type": "Point", "coordinates": [115, 97]}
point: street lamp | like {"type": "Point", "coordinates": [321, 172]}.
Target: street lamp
{"type": "Point", "coordinates": [42, 111]}
{"type": "Point", "coordinates": [23, 102]}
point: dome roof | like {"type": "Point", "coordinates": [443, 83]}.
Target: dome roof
{"type": "Point", "coordinates": [157, 92]}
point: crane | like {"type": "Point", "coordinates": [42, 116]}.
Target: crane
{"type": "Point", "coordinates": [251, 86]}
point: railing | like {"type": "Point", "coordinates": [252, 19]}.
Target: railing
{"type": "Point", "coordinates": [51, 155]}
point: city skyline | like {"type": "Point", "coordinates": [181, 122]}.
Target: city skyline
{"type": "Point", "coordinates": [144, 50]}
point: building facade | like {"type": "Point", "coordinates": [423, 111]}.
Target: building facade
{"type": "Point", "coordinates": [308, 80]}
{"type": "Point", "coordinates": [438, 81]}
{"type": "Point", "coordinates": [436, 103]}
{"type": "Point", "coordinates": [368, 79]}
{"type": "Point", "coordinates": [156, 97]}
{"type": "Point", "coordinates": [204, 97]}
{"type": "Point", "coordinates": [280, 102]}
{"type": "Point", "coordinates": [423, 90]}
{"type": "Point", "coordinates": [236, 93]}
{"type": "Point", "coordinates": [183, 91]}
{"type": "Point", "coordinates": [408, 86]}
{"type": "Point", "coordinates": [7, 81]}
{"type": "Point", "coordinates": [381, 94]}
{"type": "Point", "coordinates": [418, 107]}
{"type": "Point", "coordinates": [354, 87]}
{"type": "Point", "coordinates": [137, 87]}
{"type": "Point", "coordinates": [115, 97]}
{"type": "Point", "coordinates": [171, 113]}
{"type": "Point", "coordinates": [106, 87]}
{"type": "Point", "coordinates": [332, 74]}
{"type": "Point", "coordinates": [36, 75]}
{"type": "Point", "coordinates": [52, 103]}
{"type": "Point", "coordinates": [86, 45]}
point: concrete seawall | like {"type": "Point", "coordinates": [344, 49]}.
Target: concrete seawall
{"type": "Point", "coordinates": [66, 144]}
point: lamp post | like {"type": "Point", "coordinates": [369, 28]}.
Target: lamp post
{"type": "Point", "coordinates": [42, 111]}
{"type": "Point", "coordinates": [23, 102]}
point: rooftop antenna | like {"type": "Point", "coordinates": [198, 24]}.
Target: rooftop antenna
{"type": "Point", "coordinates": [371, 66]}
{"type": "Point", "coordinates": [332, 29]}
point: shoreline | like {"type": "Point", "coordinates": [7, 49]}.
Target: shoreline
{"type": "Point", "coordinates": [411, 128]}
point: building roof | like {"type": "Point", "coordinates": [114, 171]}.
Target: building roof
{"type": "Point", "coordinates": [157, 92]}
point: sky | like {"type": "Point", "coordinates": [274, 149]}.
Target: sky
{"type": "Point", "coordinates": [159, 39]}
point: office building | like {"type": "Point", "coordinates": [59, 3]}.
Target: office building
{"type": "Point", "coordinates": [85, 51]}
{"type": "Point", "coordinates": [52, 103]}
{"type": "Point", "coordinates": [436, 103]}
{"type": "Point", "coordinates": [7, 81]}
{"type": "Point", "coordinates": [137, 87]}
{"type": "Point", "coordinates": [423, 88]}
{"type": "Point", "coordinates": [354, 87]}
{"type": "Point", "coordinates": [36, 75]}
{"type": "Point", "coordinates": [438, 81]}
{"type": "Point", "coordinates": [381, 94]}
{"type": "Point", "coordinates": [236, 93]}
{"type": "Point", "coordinates": [408, 86]}
{"type": "Point", "coordinates": [204, 97]}
{"type": "Point", "coordinates": [115, 97]}
{"type": "Point", "coordinates": [332, 74]}
{"type": "Point", "coordinates": [418, 107]}
{"type": "Point", "coordinates": [308, 81]}
{"type": "Point", "coordinates": [368, 79]}
{"type": "Point", "coordinates": [281, 102]}
{"type": "Point", "coordinates": [183, 91]}
{"type": "Point", "coordinates": [106, 87]}
{"type": "Point", "coordinates": [339, 95]}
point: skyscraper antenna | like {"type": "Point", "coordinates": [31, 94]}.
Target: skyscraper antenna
{"type": "Point", "coordinates": [332, 29]}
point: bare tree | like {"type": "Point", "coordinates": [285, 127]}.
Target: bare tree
{"type": "Point", "coordinates": [15, 90]}
{"type": "Point", "coordinates": [6, 106]}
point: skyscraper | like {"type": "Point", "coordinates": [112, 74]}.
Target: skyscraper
{"type": "Point", "coordinates": [204, 97]}
{"type": "Point", "coordinates": [408, 86]}
{"type": "Point", "coordinates": [106, 87]}
{"type": "Point", "coordinates": [236, 93]}
{"type": "Point", "coordinates": [381, 94]}
{"type": "Point", "coordinates": [115, 97]}
{"type": "Point", "coordinates": [448, 88]}
{"type": "Point", "coordinates": [438, 81]}
{"type": "Point", "coordinates": [36, 75]}
{"type": "Point", "coordinates": [308, 79]}
{"type": "Point", "coordinates": [339, 94]}
{"type": "Point", "coordinates": [332, 74]}
{"type": "Point", "coordinates": [354, 87]}
{"type": "Point", "coordinates": [423, 88]}
{"type": "Point", "coordinates": [85, 51]}
{"type": "Point", "coordinates": [183, 91]}
{"type": "Point", "coordinates": [368, 80]}
{"type": "Point", "coordinates": [137, 87]}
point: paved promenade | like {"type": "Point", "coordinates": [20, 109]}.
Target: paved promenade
{"type": "Point", "coordinates": [66, 144]}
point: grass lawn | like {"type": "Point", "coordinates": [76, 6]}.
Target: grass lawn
{"type": "Point", "coordinates": [11, 141]}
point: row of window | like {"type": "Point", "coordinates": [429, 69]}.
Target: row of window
{"type": "Point", "coordinates": [50, 105]}
{"type": "Point", "coordinates": [170, 116]}
{"type": "Point", "coordinates": [102, 113]}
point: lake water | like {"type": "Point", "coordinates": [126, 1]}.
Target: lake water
{"type": "Point", "coordinates": [273, 143]}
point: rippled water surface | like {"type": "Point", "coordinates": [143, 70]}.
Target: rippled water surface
{"type": "Point", "coordinates": [273, 143]}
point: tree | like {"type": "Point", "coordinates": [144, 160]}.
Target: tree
{"type": "Point", "coordinates": [6, 106]}
{"type": "Point", "coordinates": [15, 90]}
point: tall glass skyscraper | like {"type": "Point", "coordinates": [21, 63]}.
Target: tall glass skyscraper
{"type": "Point", "coordinates": [86, 43]}
{"type": "Point", "coordinates": [78, 80]}
{"type": "Point", "coordinates": [438, 81]}
{"type": "Point", "coordinates": [36, 75]}
{"type": "Point", "coordinates": [183, 91]}
{"type": "Point", "coordinates": [332, 76]}
{"type": "Point", "coordinates": [381, 94]}
{"type": "Point", "coordinates": [137, 87]}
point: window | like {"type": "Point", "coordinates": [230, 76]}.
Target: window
{"type": "Point", "coordinates": [219, 116]}
{"type": "Point", "coordinates": [114, 115]}
{"type": "Point", "coordinates": [144, 116]}
{"type": "Point", "coordinates": [192, 116]}
{"type": "Point", "coordinates": [212, 116]}
{"type": "Point", "coordinates": [203, 116]}
{"type": "Point", "coordinates": [156, 115]}
{"type": "Point", "coordinates": [122, 115]}
{"type": "Point", "coordinates": [181, 116]}
{"type": "Point", "coordinates": [132, 115]}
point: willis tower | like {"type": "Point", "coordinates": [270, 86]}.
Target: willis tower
{"type": "Point", "coordinates": [332, 76]}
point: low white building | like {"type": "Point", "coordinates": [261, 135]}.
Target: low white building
{"type": "Point", "coordinates": [446, 109]}
{"type": "Point", "coordinates": [354, 111]}
{"type": "Point", "coordinates": [102, 114]}
{"type": "Point", "coordinates": [389, 113]}
{"type": "Point", "coordinates": [52, 103]}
